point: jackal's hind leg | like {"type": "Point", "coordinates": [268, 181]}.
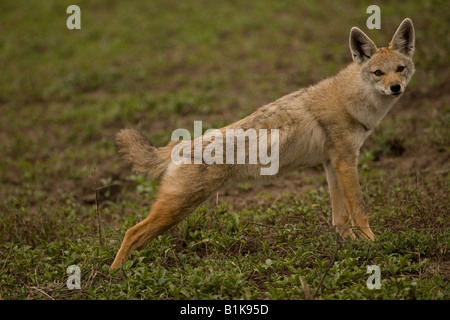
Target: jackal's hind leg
{"type": "Point", "coordinates": [163, 215]}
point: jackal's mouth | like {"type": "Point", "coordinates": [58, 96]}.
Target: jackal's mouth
{"type": "Point", "coordinates": [389, 93]}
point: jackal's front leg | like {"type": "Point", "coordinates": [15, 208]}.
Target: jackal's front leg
{"type": "Point", "coordinates": [340, 216]}
{"type": "Point", "coordinates": [347, 176]}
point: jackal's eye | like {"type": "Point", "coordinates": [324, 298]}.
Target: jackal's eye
{"type": "Point", "coordinates": [400, 68]}
{"type": "Point", "coordinates": [378, 73]}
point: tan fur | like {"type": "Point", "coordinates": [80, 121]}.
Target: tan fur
{"type": "Point", "coordinates": [326, 123]}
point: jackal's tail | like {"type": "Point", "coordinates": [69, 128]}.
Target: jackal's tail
{"type": "Point", "coordinates": [139, 151]}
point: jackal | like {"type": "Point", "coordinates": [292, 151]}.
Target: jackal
{"type": "Point", "coordinates": [325, 123]}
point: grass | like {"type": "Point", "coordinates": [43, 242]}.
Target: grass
{"type": "Point", "coordinates": [161, 65]}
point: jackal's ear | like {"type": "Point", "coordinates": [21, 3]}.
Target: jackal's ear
{"type": "Point", "coordinates": [403, 39]}
{"type": "Point", "coordinates": [361, 46]}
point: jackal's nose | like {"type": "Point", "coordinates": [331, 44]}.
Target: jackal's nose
{"type": "Point", "coordinates": [396, 88]}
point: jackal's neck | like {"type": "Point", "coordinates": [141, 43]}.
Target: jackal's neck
{"type": "Point", "coordinates": [360, 98]}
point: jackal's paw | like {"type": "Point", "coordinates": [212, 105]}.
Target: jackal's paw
{"type": "Point", "coordinates": [346, 232]}
{"type": "Point", "coordinates": [117, 262]}
{"type": "Point", "coordinates": [365, 233]}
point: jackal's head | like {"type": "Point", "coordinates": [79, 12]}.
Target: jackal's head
{"type": "Point", "coordinates": [387, 69]}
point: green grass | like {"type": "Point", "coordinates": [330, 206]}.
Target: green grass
{"type": "Point", "coordinates": [160, 65]}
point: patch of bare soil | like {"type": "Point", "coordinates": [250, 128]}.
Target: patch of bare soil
{"type": "Point", "coordinates": [441, 267]}
{"type": "Point", "coordinates": [257, 195]}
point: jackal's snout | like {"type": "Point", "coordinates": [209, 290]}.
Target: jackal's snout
{"type": "Point", "coordinates": [396, 89]}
